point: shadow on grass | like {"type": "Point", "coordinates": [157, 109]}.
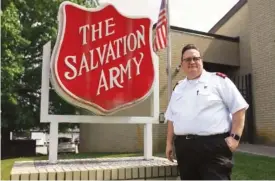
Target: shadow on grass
{"type": "Point", "coordinates": [36, 157]}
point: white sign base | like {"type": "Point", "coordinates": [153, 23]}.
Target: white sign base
{"type": "Point", "coordinates": [54, 120]}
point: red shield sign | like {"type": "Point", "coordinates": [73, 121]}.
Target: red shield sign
{"type": "Point", "coordinates": [102, 60]}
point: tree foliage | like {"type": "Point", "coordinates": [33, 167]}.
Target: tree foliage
{"type": "Point", "coordinates": [26, 26]}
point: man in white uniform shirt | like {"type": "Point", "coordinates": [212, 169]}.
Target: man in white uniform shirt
{"type": "Point", "coordinates": [206, 115]}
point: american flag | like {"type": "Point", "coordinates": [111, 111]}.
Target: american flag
{"type": "Point", "coordinates": [160, 40]}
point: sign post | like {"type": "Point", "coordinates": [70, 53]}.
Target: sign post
{"type": "Point", "coordinates": [104, 63]}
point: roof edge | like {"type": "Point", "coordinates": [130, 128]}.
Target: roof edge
{"type": "Point", "coordinates": [227, 16]}
{"type": "Point", "coordinates": [221, 37]}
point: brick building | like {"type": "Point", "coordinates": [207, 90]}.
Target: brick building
{"type": "Point", "coordinates": [241, 43]}
{"type": "Point", "coordinates": [253, 21]}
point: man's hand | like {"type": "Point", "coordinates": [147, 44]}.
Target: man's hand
{"type": "Point", "coordinates": [238, 119]}
{"type": "Point", "coordinates": [232, 143]}
{"type": "Point", "coordinates": [169, 152]}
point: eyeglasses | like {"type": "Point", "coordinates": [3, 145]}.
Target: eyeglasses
{"type": "Point", "coordinates": [189, 59]}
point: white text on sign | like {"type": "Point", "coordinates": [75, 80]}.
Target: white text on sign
{"type": "Point", "coordinates": [102, 55]}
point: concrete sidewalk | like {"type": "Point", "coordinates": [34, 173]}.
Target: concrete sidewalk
{"type": "Point", "coordinates": [257, 149]}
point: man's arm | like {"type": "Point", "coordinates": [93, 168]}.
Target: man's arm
{"type": "Point", "coordinates": [237, 106]}
{"type": "Point", "coordinates": [170, 132]}
{"type": "Point", "coordinates": [169, 141]}
{"type": "Point", "coordinates": [238, 121]}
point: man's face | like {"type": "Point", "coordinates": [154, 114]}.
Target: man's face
{"type": "Point", "coordinates": [191, 63]}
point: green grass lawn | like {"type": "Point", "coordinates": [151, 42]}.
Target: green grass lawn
{"type": "Point", "coordinates": [247, 166]}
{"type": "Point", "coordinates": [252, 167]}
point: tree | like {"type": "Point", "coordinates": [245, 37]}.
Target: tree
{"type": "Point", "coordinates": [27, 25]}
{"type": "Point", "coordinates": [13, 45]}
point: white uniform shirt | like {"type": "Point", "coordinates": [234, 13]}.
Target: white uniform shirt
{"type": "Point", "coordinates": [204, 106]}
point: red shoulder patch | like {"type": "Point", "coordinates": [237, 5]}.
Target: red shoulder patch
{"type": "Point", "coordinates": [221, 75]}
{"type": "Point", "coordinates": [175, 85]}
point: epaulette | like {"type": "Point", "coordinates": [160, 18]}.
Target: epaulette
{"type": "Point", "coordinates": [176, 85]}
{"type": "Point", "coordinates": [221, 74]}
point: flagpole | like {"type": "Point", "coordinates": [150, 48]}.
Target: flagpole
{"type": "Point", "coordinates": [169, 76]}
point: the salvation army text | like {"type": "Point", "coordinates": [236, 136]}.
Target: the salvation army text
{"type": "Point", "coordinates": [105, 53]}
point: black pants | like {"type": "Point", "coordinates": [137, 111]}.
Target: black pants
{"type": "Point", "coordinates": [204, 158]}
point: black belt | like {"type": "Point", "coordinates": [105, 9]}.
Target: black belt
{"type": "Point", "coordinates": [192, 136]}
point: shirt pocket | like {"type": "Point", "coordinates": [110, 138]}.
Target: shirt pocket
{"type": "Point", "coordinates": [207, 98]}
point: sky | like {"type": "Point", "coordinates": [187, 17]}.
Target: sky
{"type": "Point", "coordinates": [198, 15]}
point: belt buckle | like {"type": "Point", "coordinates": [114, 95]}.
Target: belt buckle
{"type": "Point", "coordinates": [187, 137]}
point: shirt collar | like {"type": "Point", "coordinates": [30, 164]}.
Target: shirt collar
{"type": "Point", "coordinates": [204, 76]}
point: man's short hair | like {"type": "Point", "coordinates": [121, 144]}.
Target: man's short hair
{"type": "Point", "coordinates": [188, 47]}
